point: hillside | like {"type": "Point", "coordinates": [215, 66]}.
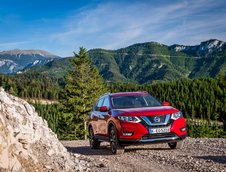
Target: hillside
{"type": "Point", "coordinates": [140, 63]}
{"type": "Point", "coordinates": [57, 68]}
{"type": "Point", "coordinates": [146, 62]}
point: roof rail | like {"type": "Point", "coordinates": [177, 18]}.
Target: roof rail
{"type": "Point", "coordinates": [105, 94]}
{"type": "Point", "coordinates": [131, 92]}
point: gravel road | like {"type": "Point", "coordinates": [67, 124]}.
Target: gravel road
{"type": "Point", "coordinates": [197, 155]}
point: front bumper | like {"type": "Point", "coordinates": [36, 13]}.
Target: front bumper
{"type": "Point", "coordinates": [174, 138]}
{"type": "Point", "coordinates": [140, 133]}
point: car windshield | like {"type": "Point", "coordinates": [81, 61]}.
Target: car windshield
{"type": "Point", "coordinates": [134, 101]}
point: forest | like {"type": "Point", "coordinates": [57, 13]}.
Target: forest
{"type": "Point", "coordinates": [32, 86]}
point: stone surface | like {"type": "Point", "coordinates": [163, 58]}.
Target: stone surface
{"type": "Point", "coordinates": [26, 142]}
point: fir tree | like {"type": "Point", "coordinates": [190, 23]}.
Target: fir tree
{"type": "Point", "coordinates": [83, 86]}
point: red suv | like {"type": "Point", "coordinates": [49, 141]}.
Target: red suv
{"type": "Point", "coordinates": [134, 117]}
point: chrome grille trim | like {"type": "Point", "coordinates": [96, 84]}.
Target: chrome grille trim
{"type": "Point", "coordinates": [167, 118]}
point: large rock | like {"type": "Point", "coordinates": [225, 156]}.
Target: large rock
{"type": "Point", "coordinates": [26, 142]}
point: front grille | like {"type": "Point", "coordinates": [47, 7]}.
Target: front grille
{"type": "Point", "coordinates": [158, 136]}
{"type": "Point", "coordinates": [161, 117]}
{"type": "Point", "coordinates": [149, 121]}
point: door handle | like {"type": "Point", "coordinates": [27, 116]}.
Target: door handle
{"type": "Point", "coordinates": [103, 116]}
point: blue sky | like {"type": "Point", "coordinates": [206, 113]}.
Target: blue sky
{"type": "Point", "coordinates": [62, 26]}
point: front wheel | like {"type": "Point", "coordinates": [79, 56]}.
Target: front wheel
{"type": "Point", "coordinates": [94, 143]}
{"type": "Point", "coordinates": [176, 145]}
{"type": "Point", "coordinates": [116, 148]}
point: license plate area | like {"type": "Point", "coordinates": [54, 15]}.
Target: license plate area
{"type": "Point", "coordinates": [159, 130]}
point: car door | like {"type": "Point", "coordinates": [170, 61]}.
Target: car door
{"type": "Point", "coordinates": [95, 116]}
{"type": "Point", "coordinates": [103, 118]}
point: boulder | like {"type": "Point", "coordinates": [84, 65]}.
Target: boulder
{"type": "Point", "coordinates": [26, 142]}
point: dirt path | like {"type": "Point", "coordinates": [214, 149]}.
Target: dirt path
{"type": "Point", "coordinates": [197, 155]}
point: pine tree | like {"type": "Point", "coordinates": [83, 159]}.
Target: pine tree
{"type": "Point", "coordinates": [83, 86]}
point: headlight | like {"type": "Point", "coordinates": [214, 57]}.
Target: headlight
{"type": "Point", "coordinates": [129, 119]}
{"type": "Point", "coordinates": [176, 115]}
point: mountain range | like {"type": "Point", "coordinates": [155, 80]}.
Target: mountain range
{"type": "Point", "coordinates": [138, 63]}
{"type": "Point", "coordinates": [15, 60]}
{"type": "Point", "coordinates": [150, 61]}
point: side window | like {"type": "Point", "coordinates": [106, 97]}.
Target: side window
{"type": "Point", "coordinates": [99, 104]}
{"type": "Point", "coordinates": [106, 102]}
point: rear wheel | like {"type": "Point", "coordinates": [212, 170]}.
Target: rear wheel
{"type": "Point", "coordinates": [176, 145]}
{"type": "Point", "coordinates": [116, 148]}
{"type": "Point", "coordinates": [94, 143]}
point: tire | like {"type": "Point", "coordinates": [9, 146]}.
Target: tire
{"type": "Point", "coordinates": [116, 148]}
{"type": "Point", "coordinates": [176, 145]}
{"type": "Point", "coordinates": [93, 142]}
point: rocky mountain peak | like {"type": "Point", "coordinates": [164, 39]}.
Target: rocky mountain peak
{"type": "Point", "coordinates": [27, 52]}
{"type": "Point", "coordinates": [204, 48]}
{"type": "Point", "coordinates": [26, 142]}
{"type": "Point", "coordinates": [178, 47]}
{"type": "Point", "coordinates": [211, 45]}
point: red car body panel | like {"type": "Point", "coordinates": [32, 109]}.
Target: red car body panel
{"type": "Point", "coordinates": [146, 111]}
{"type": "Point", "coordinates": [137, 129]}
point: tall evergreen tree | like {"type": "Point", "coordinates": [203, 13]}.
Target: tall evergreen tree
{"type": "Point", "coordinates": [83, 86]}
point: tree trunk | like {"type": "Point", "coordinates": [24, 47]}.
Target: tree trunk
{"type": "Point", "coordinates": [85, 127]}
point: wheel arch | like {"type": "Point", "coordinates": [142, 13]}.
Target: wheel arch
{"type": "Point", "coordinates": [111, 124]}
{"type": "Point", "coordinates": [89, 126]}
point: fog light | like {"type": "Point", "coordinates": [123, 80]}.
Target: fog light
{"type": "Point", "coordinates": [127, 134]}
{"type": "Point", "coordinates": [183, 129]}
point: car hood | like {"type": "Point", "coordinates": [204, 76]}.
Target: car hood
{"type": "Point", "coordinates": [148, 111]}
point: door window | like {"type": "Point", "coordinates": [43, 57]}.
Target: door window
{"type": "Point", "coordinates": [99, 104]}
{"type": "Point", "coordinates": [106, 102]}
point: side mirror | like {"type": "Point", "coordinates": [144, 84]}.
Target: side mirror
{"type": "Point", "coordinates": [165, 104]}
{"type": "Point", "coordinates": [103, 108]}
